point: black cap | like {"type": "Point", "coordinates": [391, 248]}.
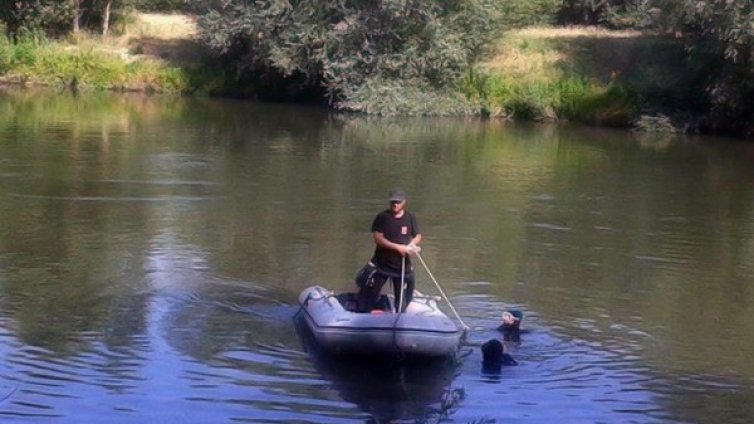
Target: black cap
{"type": "Point", "coordinates": [397, 195]}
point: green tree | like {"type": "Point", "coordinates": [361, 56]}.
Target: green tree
{"type": "Point", "coordinates": [97, 15]}
{"type": "Point", "coordinates": [722, 29]}
{"type": "Point", "coordinates": [13, 14]}
{"type": "Point", "coordinates": [57, 18]}
{"type": "Point", "coordinates": [34, 16]}
{"type": "Point", "coordinates": [356, 53]}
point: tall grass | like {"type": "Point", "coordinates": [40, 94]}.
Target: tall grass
{"type": "Point", "coordinates": [85, 66]}
{"type": "Point", "coordinates": [570, 97]}
{"type": "Point", "coordinates": [93, 65]}
{"type": "Point", "coordinates": [583, 75]}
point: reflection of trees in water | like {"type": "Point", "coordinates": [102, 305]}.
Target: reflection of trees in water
{"type": "Point", "coordinates": [709, 396]}
{"type": "Point", "coordinates": [68, 269]}
{"type": "Point", "coordinates": [61, 282]}
{"type": "Point", "coordinates": [669, 231]}
{"type": "Point", "coordinates": [75, 264]}
{"type": "Point", "coordinates": [321, 184]}
{"type": "Point", "coordinates": [70, 273]}
{"type": "Point", "coordinates": [302, 185]}
{"type": "Point", "coordinates": [649, 245]}
{"type": "Point", "coordinates": [291, 193]}
{"type": "Point", "coordinates": [223, 319]}
{"type": "Point", "coordinates": [388, 387]}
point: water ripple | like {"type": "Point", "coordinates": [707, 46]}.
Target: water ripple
{"type": "Point", "coordinates": [159, 182]}
{"type": "Point", "coordinates": [115, 199]}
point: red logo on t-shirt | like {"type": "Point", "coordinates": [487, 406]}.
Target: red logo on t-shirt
{"type": "Point", "coordinates": [404, 230]}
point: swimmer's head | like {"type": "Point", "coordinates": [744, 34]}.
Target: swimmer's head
{"type": "Point", "coordinates": [492, 351]}
{"type": "Point", "coordinates": [509, 318]}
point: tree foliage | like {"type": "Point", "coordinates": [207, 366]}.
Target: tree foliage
{"type": "Point", "coordinates": [608, 13]}
{"type": "Point", "coordinates": [35, 16]}
{"type": "Point", "coordinates": [345, 48]}
{"type": "Point", "coordinates": [718, 34]}
{"type": "Point", "coordinates": [161, 5]}
{"type": "Point", "coordinates": [721, 29]}
{"type": "Point", "coordinates": [55, 18]}
{"type": "Point", "coordinates": [523, 13]}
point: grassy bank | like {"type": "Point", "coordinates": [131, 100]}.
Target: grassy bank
{"type": "Point", "coordinates": [152, 53]}
{"type": "Point", "coordinates": [615, 78]}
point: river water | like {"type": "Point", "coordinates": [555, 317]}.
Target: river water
{"type": "Point", "coordinates": [152, 250]}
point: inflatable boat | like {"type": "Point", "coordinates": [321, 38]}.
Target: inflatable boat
{"type": "Point", "coordinates": [423, 329]}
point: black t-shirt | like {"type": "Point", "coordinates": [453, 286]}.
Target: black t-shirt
{"type": "Point", "coordinates": [398, 230]}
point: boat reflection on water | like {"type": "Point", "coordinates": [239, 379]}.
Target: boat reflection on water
{"type": "Point", "coordinates": [388, 387]}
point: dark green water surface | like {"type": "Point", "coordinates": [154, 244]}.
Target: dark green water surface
{"type": "Point", "coordinates": [152, 250]}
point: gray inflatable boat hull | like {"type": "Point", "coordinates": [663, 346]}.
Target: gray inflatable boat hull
{"type": "Point", "coordinates": [421, 330]}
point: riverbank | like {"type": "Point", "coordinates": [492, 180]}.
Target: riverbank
{"type": "Point", "coordinates": [599, 77]}
{"type": "Point", "coordinates": [594, 76]}
{"type": "Point", "coordinates": [153, 53]}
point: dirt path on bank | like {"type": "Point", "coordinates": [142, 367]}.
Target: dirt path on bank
{"type": "Point", "coordinates": [164, 37]}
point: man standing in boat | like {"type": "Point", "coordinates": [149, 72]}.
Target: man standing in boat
{"type": "Point", "coordinates": [396, 235]}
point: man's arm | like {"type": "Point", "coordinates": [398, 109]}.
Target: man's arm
{"type": "Point", "coordinates": [417, 232]}
{"type": "Point", "coordinates": [382, 241]}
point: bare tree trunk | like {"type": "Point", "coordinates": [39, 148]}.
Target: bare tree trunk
{"type": "Point", "coordinates": [76, 16]}
{"type": "Point", "coordinates": [106, 18]}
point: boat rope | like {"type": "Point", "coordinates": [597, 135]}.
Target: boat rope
{"type": "Point", "coordinates": [434, 280]}
{"type": "Point", "coordinates": [310, 296]}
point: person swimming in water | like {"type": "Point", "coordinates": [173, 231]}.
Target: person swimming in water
{"type": "Point", "coordinates": [511, 325]}
{"type": "Point", "coordinates": [494, 357]}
